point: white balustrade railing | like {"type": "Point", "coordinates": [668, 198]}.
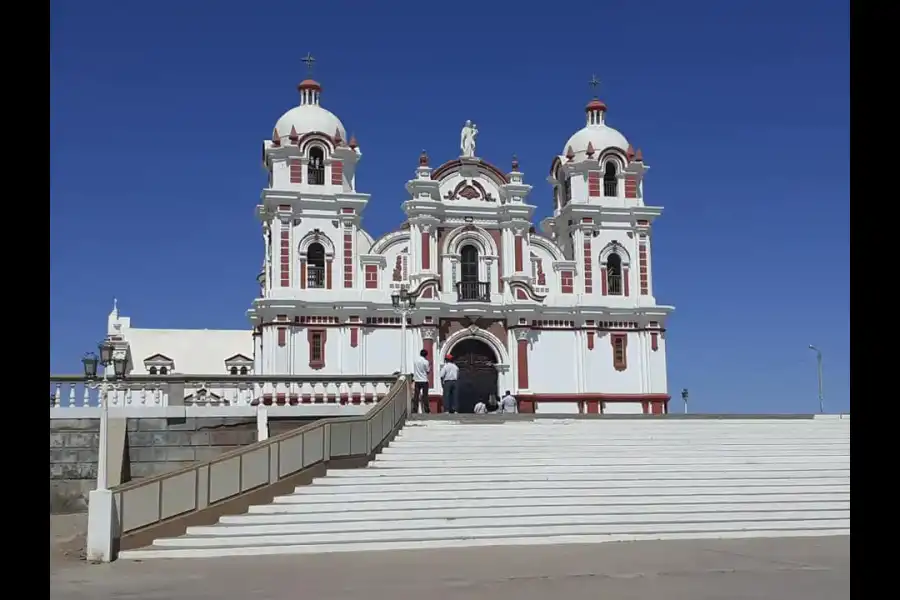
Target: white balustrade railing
{"type": "Point", "coordinates": [72, 391]}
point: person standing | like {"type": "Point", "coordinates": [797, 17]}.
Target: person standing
{"type": "Point", "coordinates": [508, 404]}
{"type": "Point", "coordinates": [449, 374]}
{"type": "Point", "coordinates": [421, 369]}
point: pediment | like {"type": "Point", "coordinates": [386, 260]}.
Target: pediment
{"type": "Point", "coordinates": [203, 394]}
{"type": "Point", "coordinates": [238, 359]}
{"type": "Point", "coordinates": [158, 359]}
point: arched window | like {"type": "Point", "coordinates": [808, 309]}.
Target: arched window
{"type": "Point", "coordinates": [243, 370]}
{"type": "Point", "coordinates": [315, 266]}
{"type": "Point", "coordinates": [233, 370]}
{"type": "Point", "coordinates": [163, 371]}
{"type": "Point", "coordinates": [468, 262]}
{"type": "Point", "coordinates": [152, 370]}
{"type": "Point", "coordinates": [567, 191]}
{"type": "Point", "coordinates": [316, 167]}
{"type": "Point", "coordinates": [610, 180]}
{"type": "Point", "coordinates": [614, 275]}
{"type": "Point", "coordinates": [468, 289]}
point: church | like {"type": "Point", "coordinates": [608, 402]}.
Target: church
{"type": "Point", "coordinates": [561, 313]}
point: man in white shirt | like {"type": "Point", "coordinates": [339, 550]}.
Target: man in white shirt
{"type": "Point", "coordinates": [449, 374]}
{"type": "Point", "coordinates": [421, 368]}
{"type": "Point", "coordinates": [508, 404]}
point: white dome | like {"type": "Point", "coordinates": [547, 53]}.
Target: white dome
{"type": "Point", "coordinates": [307, 118]}
{"type": "Point", "coordinates": [600, 137]}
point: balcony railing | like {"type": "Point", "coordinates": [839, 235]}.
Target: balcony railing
{"type": "Point", "coordinates": [222, 393]}
{"type": "Point", "coordinates": [316, 175]}
{"type": "Point", "coordinates": [614, 284]}
{"type": "Point", "coordinates": [315, 277]}
{"type": "Point", "coordinates": [610, 189]}
{"type": "Point", "coordinates": [473, 291]}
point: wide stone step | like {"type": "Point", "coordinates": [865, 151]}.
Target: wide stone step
{"type": "Point", "coordinates": [573, 496]}
{"type": "Point", "coordinates": [296, 513]}
{"type": "Point", "coordinates": [621, 457]}
{"type": "Point", "coordinates": [594, 469]}
{"type": "Point", "coordinates": [772, 531]}
{"type": "Point", "coordinates": [565, 447]}
{"type": "Point", "coordinates": [489, 527]}
{"type": "Point", "coordinates": [385, 482]}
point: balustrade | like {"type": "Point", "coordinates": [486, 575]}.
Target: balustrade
{"type": "Point", "coordinates": [71, 391]}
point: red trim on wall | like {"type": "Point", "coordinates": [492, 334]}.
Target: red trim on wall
{"type": "Point", "coordinates": [631, 186]}
{"type": "Point", "coordinates": [590, 340]}
{"type": "Point", "coordinates": [329, 266]}
{"type": "Point", "coordinates": [354, 337]}
{"type": "Point", "coordinates": [642, 256]}
{"type": "Point", "coordinates": [588, 267]}
{"type": "Point", "coordinates": [522, 362]}
{"type": "Point", "coordinates": [520, 263]}
{"type": "Point", "coordinates": [654, 341]}
{"type": "Point", "coordinates": [296, 171]}
{"type": "Point", "coordinates": [567, 282]}
{"type": "Point", "coordinates": [426, 251]}
{"type": "Point", "coordinates": [619, 341]}
{"type": "Point", "coordinates": [603, 282]}
{"type": "Point", "coordinates": [316, 337]}
{"type": "Point", "coordinates": [594, 184]}
{"type": "Point", "coordinates": [600, 397]}
{"type": "Point", "coordinates": [625, 281]}
{"type": "Point", "coordinates": [282, 337]}
{"type": "Point", "coordinates": [371, 277]}
{"type": "Point", "coordinates": [348, 258]}
{"type": "Point", "coordinates": [337, 173]}
{"type": "Point", "coordinates": [285, 256]}
{"type": "Point", "coordinates": [429, 347]}
{"type": "Point", "coordinates": [303, 274]}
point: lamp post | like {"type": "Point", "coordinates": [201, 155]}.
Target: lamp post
{"type": "Point", "coordinates": [684, 397]}
{"type": "Point", "coordinates": [102, 524]}
{"type": "Point", "coordinates": [404, 303]}
{"type": "Point", "coordinates": [105, 385]}
{"type": "Point", "coordinates": [819, 377]}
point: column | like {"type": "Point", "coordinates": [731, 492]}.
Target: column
{"type": "Point", "coordinates": [523, 337]}
{"type": "Point", "coordinates": [428, 335]}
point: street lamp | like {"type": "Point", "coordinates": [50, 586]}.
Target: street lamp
{"type": "Point", "coordinates": [819, 376]}
{"type": "Point", "coordinates": [404, 303]}
{"type": "Point", "coordinates": [90, 362]}
{"type": "Point", "coordinates": [684, 396]}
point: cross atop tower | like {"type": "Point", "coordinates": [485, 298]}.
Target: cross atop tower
{"type": "Point", "coordinates": [594, 82]}
{"type": "Point", "coordinates": [309, 61]}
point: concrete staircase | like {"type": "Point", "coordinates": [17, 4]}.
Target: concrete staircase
{"type": "Point", "coordinates": [482, 482]}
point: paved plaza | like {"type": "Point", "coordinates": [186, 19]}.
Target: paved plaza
{"type": "Point", "coordinates": [776, 569]}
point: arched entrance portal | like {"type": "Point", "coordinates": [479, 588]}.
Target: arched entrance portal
{"type": "Point", "coordinates": [477, 375]}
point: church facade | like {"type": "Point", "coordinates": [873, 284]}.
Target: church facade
{"type": "Point", "coordinates": [562, 313]}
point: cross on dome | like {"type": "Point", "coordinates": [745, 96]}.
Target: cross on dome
{"type": "Point", "coordinates": [594, 82]}
{"type": "Point", "coordinates": [309, 61]}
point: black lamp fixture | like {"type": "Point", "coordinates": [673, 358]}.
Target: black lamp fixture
{"type": "Point", "coordinates": [403, 299]}
{"type": "Point", "coordinates": [107, 358]}
{"type": "Point", "coordinates": [684, 394]}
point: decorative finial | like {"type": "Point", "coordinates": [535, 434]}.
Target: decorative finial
{"type": "Point", "coordinates": [639, 157]}
{"type": "Point", "coordinates": [309, 61]}
{"type": "Point", "coordinates": [594, 82]}
{"type": "Point", "coordinates": [570, 154]}
{"type": "Point", "coordinates": [423, 159]}
{"type": "Point", "coordinates": [353, 143]}
{"type": "Point", "coordinates": [115, 305]}
{"type": "Point", "coordinates": [515, 163]}
{"type": "Point", "coordinates": [338, 140]}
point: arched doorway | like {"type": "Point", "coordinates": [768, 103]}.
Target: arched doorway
{"type": "Point", "coordinates": [477, 375]}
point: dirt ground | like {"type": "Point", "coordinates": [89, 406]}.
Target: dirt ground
{"type": "Point", "coordinates": [772, 569]}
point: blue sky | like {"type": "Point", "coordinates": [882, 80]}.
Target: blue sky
{"type": "Point", "coordinates": [158, 111]}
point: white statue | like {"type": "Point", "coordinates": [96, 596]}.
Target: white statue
{"type": "Point", "coordinates": [467, 139]}
{"type": "Point", "coordinates": [267, 241]}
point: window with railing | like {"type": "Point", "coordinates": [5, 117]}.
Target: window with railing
{"type": "Point", "coordinates": [315, 169]}
{"type": "Point", "coordinates": [614, 275]}
{"type": "Point", "coordinates": [610, 180]}
{"type": "Point", "coordinates": [469, 288]}
{"type": "Point", "coordinates": [315, 266]}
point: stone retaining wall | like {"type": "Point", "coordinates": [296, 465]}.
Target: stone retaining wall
{"type": "Point", "coordinates": [153, 446]}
